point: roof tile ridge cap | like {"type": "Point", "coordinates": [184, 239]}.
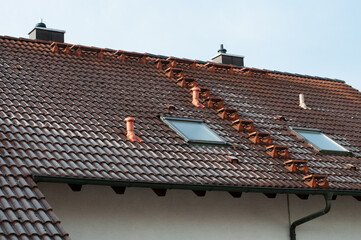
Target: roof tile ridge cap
{"type": "Point", "coordinates": [181, 60]}
{"type": "Point", "coordinates": [130, 53]}
{"type": "Point", "coordinates": [222, 65]}
{"type": "Point", "coordinates": [204, 63]}
{"type": "Point", "coordinates": [21, 39]}
{"type": "Point", "coordinates": [305, 76]}
{"type": "Point", "coordinates": [256, 69]}
{"type": "Point", "coordinates": [85, 48]}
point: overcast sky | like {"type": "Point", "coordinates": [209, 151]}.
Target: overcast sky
{"type": "Point", "coordinates": [321, 38]}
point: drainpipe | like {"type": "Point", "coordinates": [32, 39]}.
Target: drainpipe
{"type": "Point", "coordinates": [328, 198]}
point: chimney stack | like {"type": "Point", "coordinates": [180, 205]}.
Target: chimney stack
{"type": "Point", "coordinates": [225, 58]}
{"type": "Point", "coordinates": [41, 32]}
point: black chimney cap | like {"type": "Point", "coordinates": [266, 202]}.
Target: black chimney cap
{"type": "Point", "coordinates": [222, 50]}
{"type": "Point", "coordinates": [40, 24]}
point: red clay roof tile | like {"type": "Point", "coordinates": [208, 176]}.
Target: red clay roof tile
{"type": "Point", "coordinates": [62, 116]}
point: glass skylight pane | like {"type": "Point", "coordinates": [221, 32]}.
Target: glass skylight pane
{"type": "Point", "coordinates": [319, 140]}
{"type": "Point", "coordinates": [193, 130]}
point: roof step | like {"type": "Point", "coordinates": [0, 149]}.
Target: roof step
{"type": "Point", "coordinates": [254, 72]}
{"type": "Point", "coordinates": [243, 125]}
{"type": "Point", "coordinates": [214, 102]}
{"type": "Point", "coordinates": [174, 72]}
{"type": "Point", "coordinates": [316, 181]}
{"type": "Point", "coordinates": [260, 138]}
{"type": "Point", "coordinates": [77, 49]}
{"type": "Point", "coordinates": [296, 166]}
{"type": "Point", "coordinates": [186, 82]}
{"type": "Point", "coordinates": [122, 55]}
{"type": "Point", "coordinates": [66, 50]}
{"type": "Point", "coordinates": [278, 151]}
{"type": "Point", "coordinates": [213, 67]}
{"type": "Point", "coordinates": [175, 61]}
{"type": "Point", "coordinates": [228, 113]}
{"type": "Point", "coordinates": [161, 62]}
{"type": "Point", "coordinates": [204, 93]}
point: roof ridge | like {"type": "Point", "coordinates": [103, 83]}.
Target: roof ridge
{"type": "Point", "coordinates": [246, 68]}
{"type": "Point", "coordinates": [84, 47]}
{"type": "Point", "coordinates": [23, 39]}
{"type": "Point", "coordinates": [305, 76]}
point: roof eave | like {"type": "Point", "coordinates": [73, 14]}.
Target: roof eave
{"type": "Point", "coordinates": [213, 187]}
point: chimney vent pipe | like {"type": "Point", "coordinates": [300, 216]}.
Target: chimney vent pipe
{"type": "Point", "coordinates": [130, 130]}
{"type": "Point", "coordinates": [222, 50]}
{"type": "Point", "coordinates": [302, 102]}
{"type": "Point", "coordinates": [195, 94]}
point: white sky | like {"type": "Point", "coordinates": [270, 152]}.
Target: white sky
{"type": "Point", "coordinates": [321, 38]}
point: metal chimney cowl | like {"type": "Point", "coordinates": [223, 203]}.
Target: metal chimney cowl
{"type": "Point", "coordinates": [225, 58]}
{"type": "Point", "coordinates": [41, 32]}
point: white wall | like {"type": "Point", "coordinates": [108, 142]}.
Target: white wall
{"type": "Point", "coordinates": [98, 213]}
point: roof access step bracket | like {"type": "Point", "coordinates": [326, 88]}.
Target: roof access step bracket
{"type": "Point", "coordinates": [214, 102]}
{"type": "Point", "coordinates": [243, 125]}
{"type": "Point", "coordinates": [278, 151]}
{"type": "Point", "coordinates": [260, 138]}
{"type": "Point", "coordinates": [186, 82]}
{"type": "Point", "coordinates": [228, 113]}
{"type": "Point", "coordinates": [296, 166]}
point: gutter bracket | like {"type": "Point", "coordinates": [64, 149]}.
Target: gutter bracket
{"type": "Point", "coordinates": [328, 198]}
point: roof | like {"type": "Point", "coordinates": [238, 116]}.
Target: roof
{"type": "Point", "coordinates": [62, 111]}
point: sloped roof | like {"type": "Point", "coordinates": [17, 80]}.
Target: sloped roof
{"type": "Point", "coordinates": [25, 214]}
{"type": "Point", "coordinates": [62, 111]}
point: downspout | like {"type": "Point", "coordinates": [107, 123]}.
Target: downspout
{"type": "Point", "coordinates": [328, 198]}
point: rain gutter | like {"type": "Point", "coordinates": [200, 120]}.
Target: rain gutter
{"type": "Point", "coordinates": [328, 198]}
{"type": "Point", "coordinates": [201, 187]}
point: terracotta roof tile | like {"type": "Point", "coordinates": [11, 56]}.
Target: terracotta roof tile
{"type": "Point", "coordinates": [62, 116]}
{"type": "Point", "coordinates": [22, 209]}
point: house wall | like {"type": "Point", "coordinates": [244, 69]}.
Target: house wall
{"type": "Point", "coordinates": [98, 213]}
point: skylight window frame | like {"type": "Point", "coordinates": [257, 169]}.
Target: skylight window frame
{"type": "Point", "coordinates": [167, 121]}
{"type": "Point", "coordinates": [344, 152]}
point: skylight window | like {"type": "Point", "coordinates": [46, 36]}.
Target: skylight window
{"type": "Point", "coordinates": [193, 130]}
{"type": "Point", "coordinates": [320, 141]}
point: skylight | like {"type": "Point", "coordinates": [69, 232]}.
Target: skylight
{"type": "Point", "coordinates": [193, 130]}
{"type": "Point", "coordinates": [320, 141]}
